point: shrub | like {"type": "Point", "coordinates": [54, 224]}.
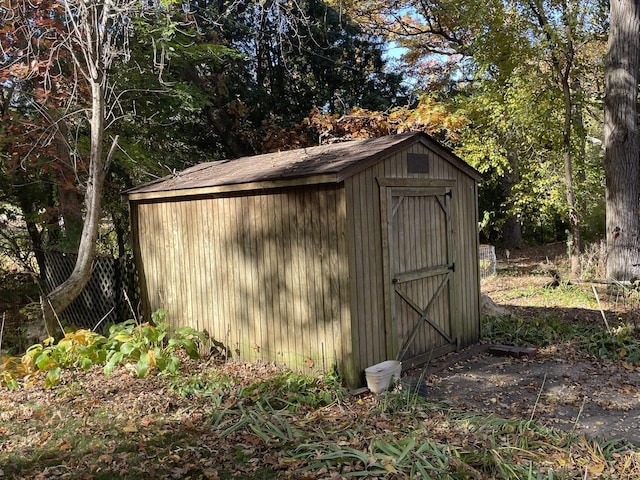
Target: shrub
{"type": "Point", "coordinates": [149, 346]}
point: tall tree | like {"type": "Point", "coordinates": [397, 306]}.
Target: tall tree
{"type": "Point", "coordinates": [94, 33]}
{"type": "Point", "coordinates": [490, 43]}
{"type": "Point", "coordinates": [40, 168]}
{"type": "Point", "coordinates": [78, 40]}
{"type": "Point", "coordinates": [560, 41]}
{"type": "Point", "coordinates": [622, 141]}
{"type": "Point", "coordinates": [302, 55]}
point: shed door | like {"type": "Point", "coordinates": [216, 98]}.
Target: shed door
{"type": "Point", "coordinates": [420, 270]}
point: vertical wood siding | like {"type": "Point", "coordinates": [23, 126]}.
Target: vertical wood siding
{"type": "Point", "coordinates": [297, 275]}
{"type": "Point", "coordinates": [466, 287]}
{"type": "Point", "coordinates": [371, 330]}
{"type": "Point", "coordinates": [365, 267]}
{"type": "Point", "coordinates": [419, 241]}
{"type": "Point", "coordinates": [264, 274]}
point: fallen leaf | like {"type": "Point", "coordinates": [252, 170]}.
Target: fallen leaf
{"type": "Point", "coordinates": [211, 474]}
{"type": "Point", "coordinates": [146, 421]}
{"type": "Point", "coordinates": [390, 468]}
{"type": "Point", "coordinates": [64, 446]}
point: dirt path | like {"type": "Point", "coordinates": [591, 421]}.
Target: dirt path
{"type": "Point", "coordinates": [559, 388]}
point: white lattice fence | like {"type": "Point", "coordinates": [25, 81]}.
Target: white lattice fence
{"type": "Point", "coordinates": [488, 261]}
{"type": "Point", "coordinates": [104, 298]}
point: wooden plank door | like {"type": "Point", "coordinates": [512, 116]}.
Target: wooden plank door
{"type": "Point", "coordinates": [419, 271]}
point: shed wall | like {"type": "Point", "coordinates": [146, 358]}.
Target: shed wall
{"type": "Point", "coordinates": [264, 273]}
{"type": "Point", "coordinates": [371, 329]}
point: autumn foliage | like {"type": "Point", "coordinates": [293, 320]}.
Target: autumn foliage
{"type": "Point", "coordinates": [427, 116]}
{"type": "Point", "coordinates": [321, 127]}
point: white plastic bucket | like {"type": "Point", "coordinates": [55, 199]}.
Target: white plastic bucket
{"type": "Point", "coordinates": [381, 375]}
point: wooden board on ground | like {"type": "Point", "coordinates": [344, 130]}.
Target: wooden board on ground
{"type": "Point", "coordinates": [512, 351]}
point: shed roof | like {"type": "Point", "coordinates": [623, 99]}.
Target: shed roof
{"type": "Point", "coordinates": [305, 166]}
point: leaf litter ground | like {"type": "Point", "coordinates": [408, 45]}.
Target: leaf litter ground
{"type": "Point", "coordinates": [119, 426]}
{"type": "Point", "coordinates": [562, 385]}
{"type": "Point", "coordinates": [480, 416]}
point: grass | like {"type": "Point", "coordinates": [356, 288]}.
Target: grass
{"type": "Point", "coordinates": [424, 442]}
{"type": "Point", "coordinates": [616, 339]}
{"type": "Point", "coordinates": [213, 420]}
{"type": "Point", "coordinates": [535, 294]}
{"type": "Point", "coordinates": [121, 426]}
{"type": "Point", "coordinates": [621, 343]}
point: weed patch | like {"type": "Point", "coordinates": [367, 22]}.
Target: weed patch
{"type": "Point", "coordinates": [621, 343]}
{"type": "Point", "coordinates": [291, 391]}
{"type": "Point", "coordinates": [147, 346]}
{"type": "Point", "coordinates": [527, 331]}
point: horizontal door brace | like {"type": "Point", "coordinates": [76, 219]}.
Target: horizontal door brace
{"type": "Point", "coordinates": [423, 273]}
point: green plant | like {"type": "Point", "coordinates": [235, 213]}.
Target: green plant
{"type": "Point", "coordinates": [77, 350]}
{"type": "Point", "coordinates": [291, 391]}
{"type": "Point", "coordinates": [620, 344]}
{"type": "Point", "coordinates": [210, 384]}
{"type": "Point", "coordinates": [521, 331]}
{"type": "Point", "coordinates": [148, 346]}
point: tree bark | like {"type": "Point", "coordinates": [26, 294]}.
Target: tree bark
{"type": "Point", "coordinates": [34, 235]}
{"type": "Point", "coordinates": [512, 233]}
{"type": "Point", "coordinates": [64, 294]}
{"type": "Point", "coordinates": [622, 144]}
{"type": "Point", "coordinates": [511, 229]}
{"type": "Point", "coordinates": [580, 141]}
{"type": "Point", "coordinates": [574, 243]}
{"type": "Point", "coordinates": [69, 198]}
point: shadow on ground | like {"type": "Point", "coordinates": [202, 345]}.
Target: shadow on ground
{"type": "Point", "coordinates": [556, 388]}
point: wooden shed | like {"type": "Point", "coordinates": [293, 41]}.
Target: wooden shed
{"type": "Point", "coordinates": [342, 255]}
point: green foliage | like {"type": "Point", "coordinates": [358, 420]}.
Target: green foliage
{"type": "Point", "coordinates": [146, 346]}
{"type": "Point", "coordinates": [515, 104]}
{"type": "Point", "coordinates": [304, 55]}
{"type": "Point", "coordinates": [210, 384]}
{"type": "Point", "coordinates": [291, 391]}
{"type": "Point", "coordinates": [621, 343]}
{"type": "Point", "coordinates": [525, 332]}
{"type": "Point", "coordinates": [150, 346]}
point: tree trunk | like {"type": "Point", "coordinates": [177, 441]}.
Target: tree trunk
{"type": "Point", "coordinates": [562, 60]}
{"type": "Point", "coordinates": [64, 294]}
{"type": "Point", "coordinates": [512, 233]}
{"type": "Point", "coordinates": [580, 160]}
{"type": "Point", "coordinates": [574, 243]}
{"type": "Point", "coordinates": [69, 198]}
{"type": "Point", "coordinates": [511, 229]}
{"type": "Point", "coordinates": [622, 145]}
{"type": "Point", "coordinates": [34, 235]}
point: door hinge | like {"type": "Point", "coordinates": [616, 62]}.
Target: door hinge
{"type": "Point", "coordinates": [452, 267]}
